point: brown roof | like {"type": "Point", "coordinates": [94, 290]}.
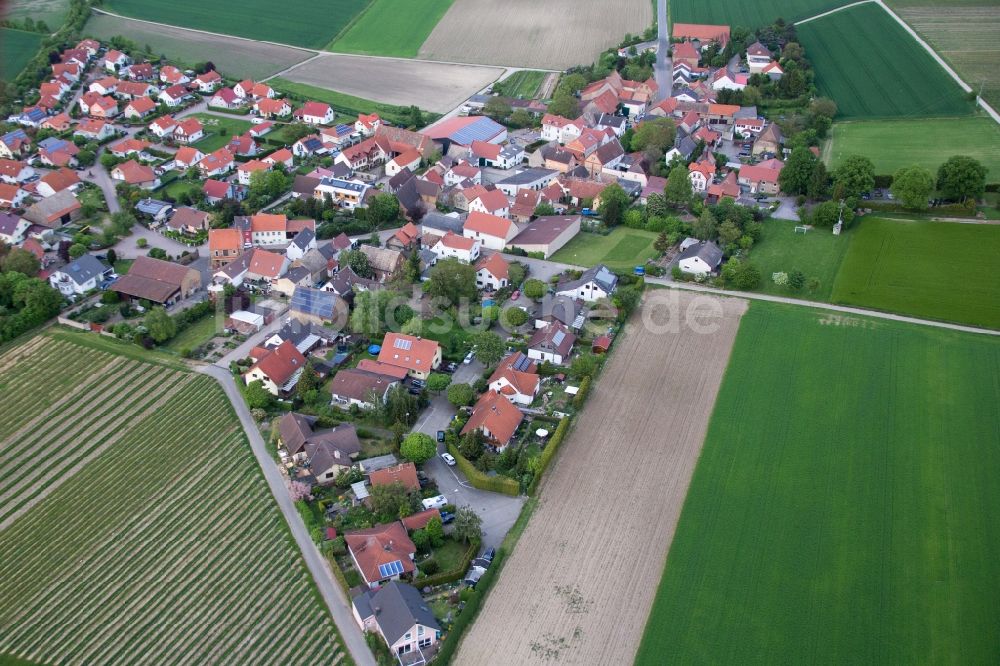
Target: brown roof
{"type": "Point", "coordinates": [153, 279]}
{"type": "Point", "coordinates": [419, 520]}
{"type": "Point", "coordinates": [497, 414]}
{"type": "Point", "coordinates": [360, 384]}
{"type": "Point", "coordinates": [404, 473]}
{"type": "Point", "coordinates": [185, 216]}
{"type": "Point", "coordinates": [382, 544]}
{"type": "Point", "coordinates": [554, 338]}
{"type": "Point", "coordinates": [379, 368]}
{"type": "Point", "coordinates": [281, 363]}
{"type": "Point", "coordinates": [525, 381]}
{"type": "Point", "coordinates": [406, 351]}
{"type": "Point", "coordinates": [134, 173]}
{"type": "Point", "coordinates": [294, 429]}
{"type": "Point", "coordinates": [545, 229]}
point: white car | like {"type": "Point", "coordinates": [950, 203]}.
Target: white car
{"type": "Point", "coordinates": [448, 458]}
{"type": "Point", "coordinates": [469, 357]}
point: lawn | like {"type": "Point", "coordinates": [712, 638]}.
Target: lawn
{"type": "Point", "coordinates": [391, 28]}
{"type": "Point", "coordinates": [455, 339]}
{"type": "Point", "coordinates": [347, 107]}
{"type": "Point", "coordinates": [873, 68]}
{"type": "Point", "coordinates": [177, 551]}
{"type": "Point", "coordinates": [219, 131]}
{"type": "Point", "coordinates": [194, 335]}
{"type": "Point", "coordinates": [295, 22]}
{"type": "Point", "coordinates": [175, 188]}
{"type": "Point", "coordinates": [522, 84]}
{"type": "Point", "coordinates": [845, 505]}
{"type": "Point", "coordinates": [623, 248]}
{"type": "Point", "coordinates": [747, 13]}
{"type": "Point", "coordinates": [936, 270]}
{"type": "Point", "coordinates": [17, 47]}
{"type": "Point", "coordinates": [926, 142]}
{"type": "Point", "coordinates": [817, 253]}
{"type": "Point", "coordinates": [53, 12]}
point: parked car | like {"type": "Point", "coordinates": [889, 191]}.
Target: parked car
{"type": "Point", "coordinates": [451, 367]}
{"type": "Point", "coordinates": [447, 517]}
{"type": "Point", "coordinates": [516, 295]}
{"type": "Point", "coordinates": [481, 563]}
{"type": "Point", "coordinates": [418, 383]}
{"type": "Point", "coordinates": [448, 458]}
{"type": "Point", "coordinates": [435, 502]}
{"type": "Point", "coordinates": [440, 435]}
{"type": "Point", "coordinates": [489, 554]}
{"type": "Point", "coordinates": [469, 357]}
{"type": "Point", "coordinates": [473, 576]}
{"type": "Point", "coordinates": [416, 390]}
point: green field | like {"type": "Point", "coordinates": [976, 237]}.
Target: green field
{"type": "Point", "coordinates": [391, 28]}
{"type": "Point", "coordinates": [295, 22]}
{"type": "Point", "coordinates": [934, 270]}
{"type": "Point", "coordinates": [16, 49]}
{"type": "Point", "coordinates": [51, 11]}
{"type": "Point", "coordinates": [623, 248]}
{"type": "Point", "coordinates": [134, 519]}
{"type": "Point", "coordinates": [873, 68]}
{"type": "Point", "coordinates": [747, 13]}
{"type": "Point", "coordinates": [817, 253]}
{"type": "Point", "coordinates": [902, 143]}
{"type": "Point", "coordinates": [523, 84]}
{"type": "Point", "coordinates": [346, 105]}
{"type": "Point", "coordinates": [219, 131]}
{"type": "Point", "coordinates": [844, 508]}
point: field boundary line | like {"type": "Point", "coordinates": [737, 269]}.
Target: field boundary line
{"type": "Point", "coordinates": [833, 11]}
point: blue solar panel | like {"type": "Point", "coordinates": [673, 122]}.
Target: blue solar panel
{"type": "Point", "coordinates": [483, 129]}
{"type": "Point", "coordinates": [393, 568]}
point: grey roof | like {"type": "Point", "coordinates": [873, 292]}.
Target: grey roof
{"type": "Point", "coordinates": [686, 146]}
{"type": "Point", "coordinates": [396, 607]}
{"type": "Point", "coordinates": [527, 176]}
{"type": "Point", "coordinates": [600, 274]}
{"type": "Point", "coordinates": [400, 178]}
{"type": "Point", "coordinates": [745, 112]}
{"type": "Point", "coordinates": [295, 332]}
{"type": "Point", "coordinates": [152, 206]}
{"type": "Point", "coordinates": [609, 151]}
{"type": "Point", "coordinates": [369, 465]}
{"type": "Point", "coordinates": [544, 229]}
{"type": "Point", "coordinates": [8, 223]}
{"type": "Point", "coordinates": [608, 120]}
{"type": "Point", "coordinates": [84, 268]}
{"type": "Point", "coordinates": [304, 238]}
{"type": "Point", "coordinates": [511, 150]}
{"type": "Point", "coordinates": [315, 302]}
{"type": "Point", "coordinates": [559, 308]}
{"type": "Point", "coordinates": [707, 251]}
{"type": "Point", "coordinates": [305, 185]}
{"type": "Point", "coordinates": [553, 338]}
{"type": "Point", "coordinates": [442, 222]}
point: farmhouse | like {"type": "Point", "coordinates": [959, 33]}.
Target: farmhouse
{"type": "Point", "coordinates": [381, 553]}
{"type": "Point", "coordinates": [552, 343]}
{"type": "Point", "coordinates": [157, 281]}
{"type": "Point", "coordinates": [418, 356]}
{"type": "Point", "coordinates": [54, 211]}
{"type": "Point", "coordinates": [547, 234]}
{"type": "Point", "coordinates": [496, 417]}
{"type": "Point", "coordinates": [397, 613]}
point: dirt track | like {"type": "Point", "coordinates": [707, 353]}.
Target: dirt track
{"type": "Point", "coordinates": [580, 583]}
{"type": "Point", "coordinates": [554, 34]}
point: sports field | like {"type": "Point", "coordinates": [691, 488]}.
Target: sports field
{"type": "Point", "coordinates": [16, 49]}
{"type": "Point", "coordinates": [747, 13]}
{"type": "Point", "coordinates": [522, 84]}
{"type": "Point", "coordinates": [873, 68]}
{"type": "Point", "coordinates": [295, 22]}
{"type": "Point", "coordinates": [817, 253]}
{"type": "Point", "coordinates": [928, 143]}
{"type": "Point", "coordinates": [845, 505]}
{"type": "Point", "coordinates": [391, 28]}
{"type": "Point", "coordinates": [135, 524]}
{"type": "Point", "coordinates": [935, 270]}
{"type": "Point", "coordinates": [622, 248]}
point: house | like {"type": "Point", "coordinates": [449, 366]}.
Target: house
{"type": "Point", "coordinates": [315, 113]}
{"type": "Point", "coordinates": [516, 378]}
{"type": "Point", "coordinates": [302, 242]}
{"type": "Point", "coordinates": [700, 258]}
{"type": "Point", "coordinates": [382, 553]}
{"type": "Point", "coordinates": [397, 613]}
{"type": "Point", "coordinates": [348, 193]}
{"type": "Point", "coordinates": [98, 106]}
{"type": "Point", "coordinates": [552, 343]}
{"type": "Point", "coordinates": [487, 154]}
{"type": "Point", "coordinates": [216, 164]}
{"type": "Point", "coordinates": [409, 159]}
{"type": "Point", "coordinates": [535, 179]}
{"type": "Point", "coordinates": [686, 53]}
{"type": "Point", "coordinates": [403, 473]}
{"type": "Point", "coordinates": [157, 281]}
{"type": "Point", "coordinates": [15, 171]}
{"type": "Point", "coordinates": [547, 234]}
{"type": "Point", "coordinates": [461, 172]}
{"type": "Point", "coordinates": [224, 98]}
{"type": "Point", "coordinates": [496, 417]}
{"type": "Point", "coordinates": [133, 173]}
{"type": "Point", "coordinates": [57, 123]}
{"type": "Point", "coordinates": [247, 169]}
{"type": "Point", "coordinates": [355, 386]}
{"type": "Point", "coordinates": [758, 56]}
{"type": "Point", "coordinates": [220, 190]}
{"type": "Point", "coordinates": [769, 141]}
{"type": "Point", "coordinates": [492, 273]}
{"type": "Point", "coordinates": [187, 157]}
{"type": "Point", "coordinates": [263, 229]}
{"type": "Point", "coordinates": [163, 126]}
{"type": "Point", "coordinates": [386, 263]}
{"type": "Point", "coordinates": [128, 146]}
{"type": "Point", "coordinates": [418, 355]}
{"type": "Point", "coordinates": [243, 145]}
{"type": "Point", "coordinates": [57, 181]}
{"type": "Point", "coordinates": [773, 71]}
{"type": "Point", "coordinates": [277, 369]}
{"type": "Point", "coordinates": [729, 188]}
{"type": "Point", "coordinates": [134, 90]}
{"type": "Point", "coordinates": [54, 211]}
{"type": "Point", "coordinates": [156, 210]}
{"type": "Point", "coordinates": [725, 79]}
{"type": "Point", "coordinates": [282, 156]}
{"type": "Point", "coordinates": [13, 228]}
{"type": "Point", "coordinates": [14, 144]}
{"type": "Point", "coordinates": [562, 130]}
{"type": "Point", "coordinates": [761, 178]}
{"type": "Point", "coordinates": [189, 130]}
{"type": "Point", "coordinates": [367, 124]}
{"type": "Point", "coordinates": [94, 129]}
{"type": "Point", "coordinates": [208, 81]}
{"type": "Point", "coordinates": [701, 173]}
{"type": "Point", "coordinates": [315, 306]}
{"type": "Point", "coordinates": [142, 71]}
{"type": "Point", "coordinates": [187, 220]}
{"type": "Point", "coordinates": [265, 266]}
{"type": "Point", "coordinates": [595, 283]}
{"type": "Point", "coordinates": [115, 61]}
{"type": "Point", "coordinates": [174, 95]}
{"type": "Point", "coordinates": [11, 196]}
{"type": "Point", "coordinates": [453, 246]}
{"type": "Point", "coordinates": [493, 232]}
{"type": "Point", "coordinates": [81, 275]}
{"type": "Point", "coordinates": [224, 245]}
{"type": "Point", "coordinates": [330, 448]}
{"type": "Point", "coordinates": [172, 76]}
{"type": "Point", "coordinates": [244, 89]}
{"type": "Point", "coordinates": [605, 157]}
{"type": "Point", "coordinates": [272, 108]}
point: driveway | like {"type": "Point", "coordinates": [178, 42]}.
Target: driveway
{"type": "Point", "coordinates": [498, 512]}
{"type": "Point", "coordinates": [788, 210]}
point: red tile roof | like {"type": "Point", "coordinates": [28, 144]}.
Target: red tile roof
{"type": "Point", "coordinates": [407, 351]}
{"type": "Point", "coordinates": [404, 473]}
{"type": "Point", "coordinates": [496, 414]}
{"type": "Point", "coordinates": [487, 224]}
{"type": "Point", "coordinates": [382, 544]}
{"type": "Point", "coordinates": [496, 265]}
{"type": "Point", "coordinates": [281, 363]}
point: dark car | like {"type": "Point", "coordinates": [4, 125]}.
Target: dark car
{"type": "Point", "coordinates": [419, 383]}
{"type": "Point", "coordinates": [489, 554]}
{"type": "Point", "coordinates": [414, 390]}
{"type": "Point", "coordinates": [481, 562]}
{"type": "Point", "coordinates": [451, 367]}
{"type": "Point", "coordinates": [447, 517]}
{"type": "Point", "coordinates": [440, 435]}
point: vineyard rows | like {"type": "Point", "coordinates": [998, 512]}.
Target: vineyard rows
{"type": "Point", "coordinates": [135, 525]}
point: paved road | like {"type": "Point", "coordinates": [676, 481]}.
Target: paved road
{"type": "Point", "coordinates": [663, 69]}
{"type": "Point", "coordinates": [336, 600]}
{"type": "Point", "coordinates": [497, 511]}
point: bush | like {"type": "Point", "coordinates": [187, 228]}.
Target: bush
{"type": "Point", "coordinates": [141, 243]}
{"type": "Point", "coordinates": [497, 484]}
{"type": "Point", "coordinates": [581, 395]}
{"type": "Point", "coordinates": [430, 566]}
{"type": "Point", "coordinates": [549, 452]}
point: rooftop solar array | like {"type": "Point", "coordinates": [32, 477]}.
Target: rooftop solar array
{"type": "Point", "coordinates": [393, 568]}
{"type": "Point", "coordinates": [483, 129]}
{"type": "Point", "coordinates": [402, 343]}
{"type": "Point", "coordinates": [558, 338]}
{"type": "Point", "coordinates": [522, 364]}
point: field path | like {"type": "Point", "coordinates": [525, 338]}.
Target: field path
{"type": "Point", "coordinates": [581, 581]}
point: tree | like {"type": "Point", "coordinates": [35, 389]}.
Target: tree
{"type": "Point", "coordinates": [257, 396]}
{"type": "Point", "coordinates": [160, 325]}
{"type": "Point", "coordinates": [564, 104]}
{"type": "Point", "coordinates": [307, 388]}
{"type": "Point", "coordinates": [112, 257]}
{"type": "Point", "coordinates": [571, 83]}
{"type": "Point", "coordinates": [705, 227]}
{"type": "Point", "coordinates": [534, 289]}
{"type": "Point", "coordinates": [413, 267]}
{"type": "Point", "coordinates": [358, 262]}
{"type": "Point", "coordinates": [521, 118]}
{"type": "Point", "coordinates": [366, 319]}
{"type": "Point", "coordinates": [76, 250]}
{"type": "Point", "coordinates": [414, 326]}
{"type": "Point", "coordinates": [21, 261]}
{"type": "Point", "coordinates": [157, 253]}
{"type": "Point", "coordinates": [747, 276]}
{"type": "Point", "coordinates": [729, 235]}
{"type": "Point", "coordinates": [798, 171]}
{"type": "Point", "coordinates": [654, 137]}
{"type": "Point", "coordinates": [544, 208]}
{"type": "Point", "coordinates": [961, 177]}
{"type": "Point", "coordinates": [516, 273]}
{"type": "Point", "coordinates": [678, 189]}
{"type": "Point", "coordinates": [435, 531]}
{"type": "Point", "coordinates": [796, 280]}
{"type": "Point", "coordinates": [453, 281]}
{"type": "Point", "coordinates": [266, 186]}
{"type": "Point", "coordinates": [515, 316]}
{"type": "Point", "coordinates": [438, 381]}
{"type": "Point", "coordinates": [819, 182]}
{"type": "Point", "coordinates": [460, 395]}
{"type": "Point", "coordinates": [382, 209]}
{"type": "Point", "coordinates": [584, 365]}
{"type": "Point", "coordinates": [614, 202]}
{"type": "Point", "coordinates": [912, 186]}
{"type": "Point", "coordinates": [392, 500]}
{"type": "Point", "coordinates": [300, 491]}
{"type": "Point", "coordinates": [497, 108]}
{"type": "Point", "coordinates": [489, 348]}
{"type": "Point", "coordinates": [855, 175]}
{"type": "Point", "coordinates": [662, 242]}
{"type": "Point", "coordinates": [418, 448]}
{"type": "Point", "coordinates": [468, 525]}
{"type": "Point", "coordinates": [420, 540]}
{"type": "Point", "coordinates": [826, 214]}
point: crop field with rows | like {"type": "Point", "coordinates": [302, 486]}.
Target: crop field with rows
{"type": "Point", "coordinates": [135, 524]}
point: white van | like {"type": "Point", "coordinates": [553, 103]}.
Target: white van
{"type": "Point", "coordinates": [435, 502]}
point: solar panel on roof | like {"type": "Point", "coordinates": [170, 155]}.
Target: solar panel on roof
{"type": "Point", "coordinates": [393, 568]}
{"type": "Point", "coordinates": [558, 338]}
{"type": "Point", "coordinates": [403, 344]}
{"type": "Point", "coordinates": [522, 364]}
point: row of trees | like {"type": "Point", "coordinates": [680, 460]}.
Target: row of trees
{"type": "Point", "coordinates": [26, 301]}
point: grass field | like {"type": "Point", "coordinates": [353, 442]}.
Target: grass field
{"type": "Point", "coordinates": [196, 334]}
{"type": "Point", "coordinates": [622, 248]}
{"type": "Point", "coordinates": [522, 84]}
{"type": "Point", "coordinates": [295, 22]}
{"type": "Point", "coordinates": [935, 270]}
{"type": "Point", "coordinates": [391, 28]}
{"type": "Point", "coordinates": [928, 143]}
{"type": "Point", "coordinates": [817, 253]}
{"type": "Point", "coordinates": [219, 131]}
{"type": "Point", "coordinates": [51, 11]}
{"type": "Point", "coordinates": [16, 49]}
{"type": "Point", "coordinates": [873, 68]}
{"type": "Point", "coordinates": [748, 13]}
{"type": "Point", "coordinates": [148, 529]}
{"type": "Point", "coordinates": [347, 107]}
{"type": "Point", "coordinates": [844, 507]}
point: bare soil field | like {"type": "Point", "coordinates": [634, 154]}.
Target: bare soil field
{"type": "Point", "coordinates": [234, 57]}
{"type": "Point", "coordinates": [437, 87]}
{"type": "Point", "coordinates": [580, 583]}
{"type": "Point", "coordinates": [555, 34]}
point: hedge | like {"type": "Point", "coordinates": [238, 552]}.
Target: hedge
{"type": "Point", "coordinates": [449, 576]}
{"type": "Point", "coordinates": [581, 394]}
{"type": "Point", "coordinates": [550, 449]}
{"type": "Point", "coordinates": [497, 484]}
